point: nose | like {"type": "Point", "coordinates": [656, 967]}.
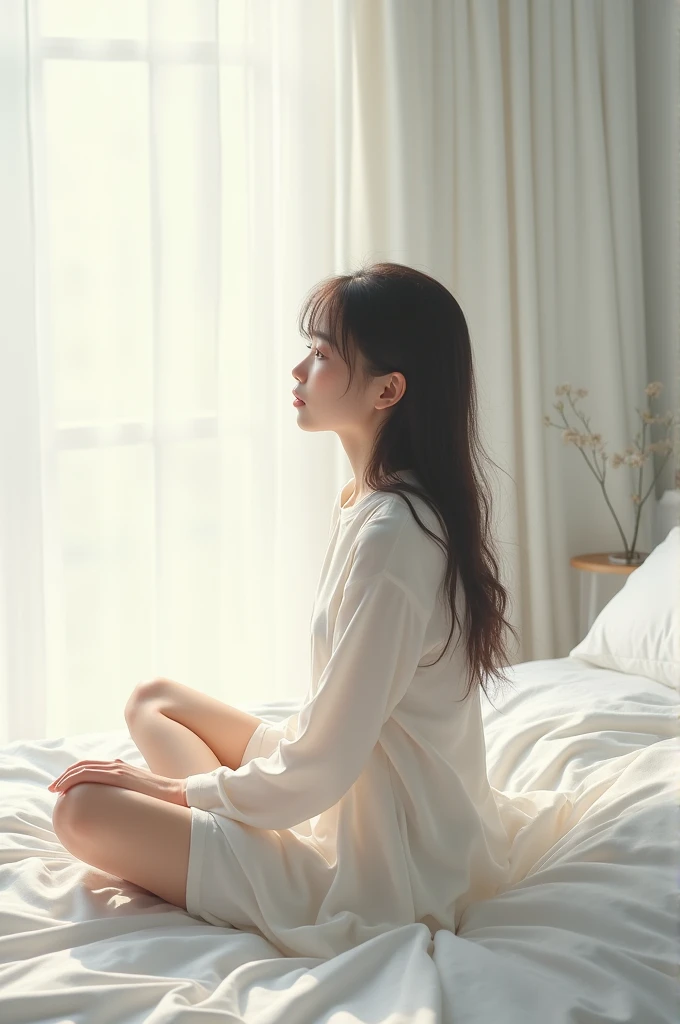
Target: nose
{"type": "Point", "coordinates": [298, 371]}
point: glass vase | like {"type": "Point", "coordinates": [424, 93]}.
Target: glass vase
{"type": "Point", "coordinates": [621, 558]}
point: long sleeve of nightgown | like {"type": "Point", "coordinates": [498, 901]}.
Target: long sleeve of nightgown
{"type": "Point", "coordinates": [377, 644]}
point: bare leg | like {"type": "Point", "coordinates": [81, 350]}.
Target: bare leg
{"type": "Point", "coordinates": [169, 748]}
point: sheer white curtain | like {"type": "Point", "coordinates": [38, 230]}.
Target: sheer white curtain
{"type": "Point", "coordinates": [175, 177]}
{"type": "Point", "coordinates": [170, 194]}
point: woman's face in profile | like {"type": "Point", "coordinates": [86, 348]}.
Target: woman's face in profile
{"type": "Point", "coordinates": [321, 381]}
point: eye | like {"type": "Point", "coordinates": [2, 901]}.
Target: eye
{"type": "Point", "coordinates": [317, 351]}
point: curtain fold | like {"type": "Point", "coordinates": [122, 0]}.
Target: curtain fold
{"type": "Point", "coordinates": [174, 179]}
{"type": "Point", "coordinates": [534, 160]}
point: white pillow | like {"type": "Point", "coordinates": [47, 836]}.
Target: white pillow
{"type": "Point", "coordinates": [638, 631]}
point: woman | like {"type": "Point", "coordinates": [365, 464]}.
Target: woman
{"type": "Point", "coordinates": [370, 807]}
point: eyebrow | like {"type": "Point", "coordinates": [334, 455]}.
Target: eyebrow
{"type": "Point", "coordinates": [321, 334]}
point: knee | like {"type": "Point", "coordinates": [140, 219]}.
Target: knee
{"type": "Point", "coordinates": [73, 809]}
{"type": "Point", "coordinates": [151, 691]}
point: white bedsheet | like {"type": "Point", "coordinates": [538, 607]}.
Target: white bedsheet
{"type": "Point", "coordinates": [587, 934]}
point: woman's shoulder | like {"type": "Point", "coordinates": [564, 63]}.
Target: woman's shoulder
{"type": "Point", "coordinates": [391, 542]}
{"type": "Point", "coordinates": [391, 516]}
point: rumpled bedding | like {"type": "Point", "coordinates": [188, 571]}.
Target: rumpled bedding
{"type": "Point", "coordinates": [586, 932]}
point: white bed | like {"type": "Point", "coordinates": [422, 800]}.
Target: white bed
{"type": "Point", "coordinates": [589, 934]}
{"type": "Point", "coordinates": [586, 932]}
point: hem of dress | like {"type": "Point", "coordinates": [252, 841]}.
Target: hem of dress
{"type": "Point", "coordinates": [200, 822]}
{"type": "Point", "coordinates": [212, 827]}
{"type": "Point", "coordinates": [254, 745]}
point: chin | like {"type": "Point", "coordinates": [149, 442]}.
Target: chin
{"type": "Point", "coordinates": [308, 424]}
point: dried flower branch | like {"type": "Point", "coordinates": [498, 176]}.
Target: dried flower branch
{"type": "Point", "coordinates": [635, 456]}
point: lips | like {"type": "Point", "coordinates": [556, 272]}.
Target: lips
{"type": "Point", "coordinates": [295, 395]}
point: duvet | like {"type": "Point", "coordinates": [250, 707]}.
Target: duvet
{"type": "Point", "coordinates": [587, 931]}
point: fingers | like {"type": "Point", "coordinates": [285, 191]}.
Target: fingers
{"type": "Point", "coordinates": [71, 778]}
{"type": "Point", "coordinates": [81, 764]}
{"type": "Point", "coordinates": [60, 778]}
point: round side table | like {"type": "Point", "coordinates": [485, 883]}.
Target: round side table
{"type": "Point", "coordinates": [592, 566]}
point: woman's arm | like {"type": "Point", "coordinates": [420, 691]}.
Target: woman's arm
{"type": "Point", "coordinates": [377, 644]}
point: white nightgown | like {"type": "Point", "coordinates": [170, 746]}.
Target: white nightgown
{"type": "Point", "coordinates": [370, 807]}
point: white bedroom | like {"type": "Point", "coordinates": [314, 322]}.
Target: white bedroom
{"type": "Point", "coordinates": [360, 703]}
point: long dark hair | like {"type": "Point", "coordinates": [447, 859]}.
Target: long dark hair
{"type": "Point", "coordinates": [403, 320]}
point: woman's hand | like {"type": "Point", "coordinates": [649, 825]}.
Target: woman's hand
{"type": "Point", "coordinates": [125, 776]}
